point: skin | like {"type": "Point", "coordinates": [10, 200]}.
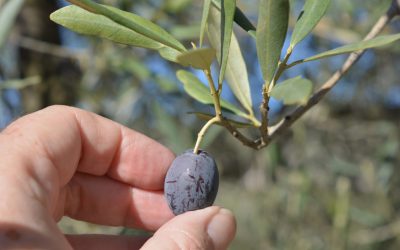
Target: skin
{"type": "Point", "coordinates": [63, 161]}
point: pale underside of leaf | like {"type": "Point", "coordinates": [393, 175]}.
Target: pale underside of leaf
{"type": "Point", "coordinates": [293, 91]}
{"type": "Point", "coordinates": [228, 12]}
{"type": "Point", "coordinates": [201, 58]}
{"type": "Point", "coordinates": [169, 54]}
{"type": "Point", "coordinates": [133, 22]}
{"type": "Point", "coordinates": [236, 72]}
{"type": "Point", "coordinates": [87, 23]}
{"type": "Point", "coordinates": [204, 18]}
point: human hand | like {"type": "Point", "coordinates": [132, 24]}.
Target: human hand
{"type": "Point", "coordinates": [66, 161]}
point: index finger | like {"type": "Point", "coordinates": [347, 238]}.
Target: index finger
{"type": "Point", "coordinates": [76, 140]}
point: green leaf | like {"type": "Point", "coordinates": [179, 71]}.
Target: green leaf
{"type": "Point", "coordinates": [239, 17]}
{"type": "Point", "coordinates": [368, 44]}
{"type": "Point", "coordinates": [201, 93]}
{"type": "Point", "coordinates": [271, 32]}
{"type": "Point", "coordinates": [314, 10]}
{"type": "Point", "coordinates": [169, 54]}
{"type": "Point", "coordinates": [237, 124]}
{"type": "Point", "coordinates": [133, 22]}
{"type": "Point", "coordinates": [197, 58]}
{"type": "Point", "coordinates": [293, 91]}
{"type": "Point", "coordinates": [236, 71]}
{"type": "Point", "coordinates": [253, 34]}
{"type": "Point", "coordinates": [20, 83]}
{"type": "Point", "coordinates": [186, 32]}
{"type": "Point", "coordinates": [228, 11]}
{"type": "Point", "coordinates": [87, 23]}
{"type": "Point", "coordinates": [204, 18]}
{"type": "Point", "coordinates": [8, 14]}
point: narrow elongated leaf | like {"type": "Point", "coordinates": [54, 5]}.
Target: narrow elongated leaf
{"type": "Point", "coordinates": [271, 32]}
{"type": "Point", "coordinates": [201, 93]}
{"type": "Point", "coordinates": [87, 23]}
{"type": "Point", "coordinates": [368, 44]}
{"type": "Point", "coordinates": [240, 18]}
{"type": "Point", "coordinates": [204, 18]}
{"type": "Point", "coordinates": [197, 58]}
{"type": "Point", "coordinates": [252, 33]}
{"type": "Point", "coordinates": [20, 83]}
{"type": "Point", "coordinates": [313, 11]}
{"type": "Point", "coordinates": [237, 124]}
{"type": "Point", "coordinates": [293, 91]}
{"type": "Point", "coordinates": [186, 32]}
{"type": "Point", "coordinates": [236, 72]}
{"type": "Point", "coordinates": [228, 11]}
{"type": "Point", "coordinates": [8, 13]}
{"type": "Point", "coordinates": [133, 22]}
{"type": "Point", "coordinates": [169, 54]}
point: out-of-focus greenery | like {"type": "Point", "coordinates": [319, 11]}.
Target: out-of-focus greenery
{"type": "Point", "coordinates": [333, 182]}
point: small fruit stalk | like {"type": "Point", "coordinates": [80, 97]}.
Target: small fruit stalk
{"type": "Point", "coordinates": [191, 182]}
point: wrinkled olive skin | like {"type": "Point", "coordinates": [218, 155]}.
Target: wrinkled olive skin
{"type": "Point", "coordinates": [191, 182]}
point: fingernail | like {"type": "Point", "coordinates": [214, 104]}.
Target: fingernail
{"type": "Point", "coordinates": [221, 228]}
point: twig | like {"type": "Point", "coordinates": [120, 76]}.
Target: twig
{"type": "Point", "coordinates": [266, 92]}
{"type": "Point", "coordinates": [333, 80]}
{"type": "Point", "coordinates": [220, 118]}
{"type": "Point", "coordinates": [238, 135]}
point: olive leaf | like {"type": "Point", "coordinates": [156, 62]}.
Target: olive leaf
{"type": "Point", "coordinates": [293, 91]}
{"type": "Point", "coordinates": [87, 23]}
{"type": "Point", "coordinates": [228, 11]}
{"type": "Point", "coordinates": [312, 13]}
{"type": "Point", "coordinates": [272, 25]}
{"type": "Point", "coordinates": [367, 44]}
{"type": "Point", "coordinates": [133, 22]}
{"type": "Point", "coordinates": [169, 54]}
{"type": "Point", "coordinates": [240, 18]}
{"type": "Point", "coordinates": [201, 58]}
{"type": "Point", "coordinates": [201, 93]}
{"type": "Point", "coordinates": [204, 18]}
{"type": "Point", "coordinates": [236, 72]}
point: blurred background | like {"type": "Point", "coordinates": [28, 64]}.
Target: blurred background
{"type": "Point", "coordinates": [332, 182]}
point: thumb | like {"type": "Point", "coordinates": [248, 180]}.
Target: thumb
{"type": "Point", "coordinates": [209, 228]}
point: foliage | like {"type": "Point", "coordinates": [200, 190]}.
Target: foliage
{"type": "Point", "coordinates": [273, 20]}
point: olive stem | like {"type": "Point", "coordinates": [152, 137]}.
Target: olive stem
{"type": "Point", "coordinates": [202, 132]}
{"type": "Point", "coordinates": [266, 92]}
{"type": "Point", "coordinates": [214, 93]}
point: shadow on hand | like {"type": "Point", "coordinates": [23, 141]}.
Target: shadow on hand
{"type": "Point", "coordinates": [14, 236]}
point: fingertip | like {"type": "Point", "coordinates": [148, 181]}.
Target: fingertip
{"type": "Point", "coordinates": [209, 228]}
{"type": "Point", "coordinates": [222, 228]}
